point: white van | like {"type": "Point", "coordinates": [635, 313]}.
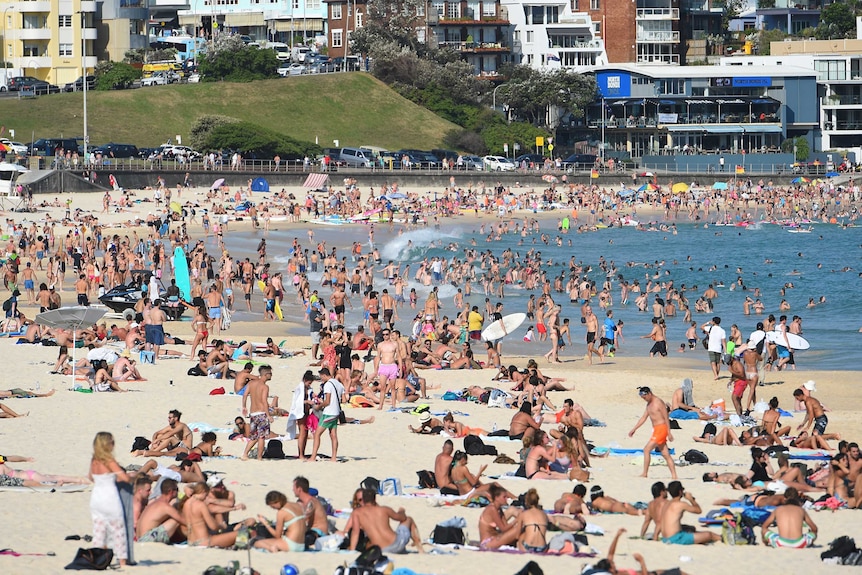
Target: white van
{"type": "Point", "coordinates": [299, 53]}
{"type": "Point", "coordinates": [355, 157]}
{"type": "Point", "coordinates": [282, 50]}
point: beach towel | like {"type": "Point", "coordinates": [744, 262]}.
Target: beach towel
{"type": "Point", "coordinates": [621, 451]}
{"type": "Point", "coordinates": [296, 412]}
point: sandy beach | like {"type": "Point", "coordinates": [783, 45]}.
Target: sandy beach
{"type": "Point", "coordinates": [59, 431]}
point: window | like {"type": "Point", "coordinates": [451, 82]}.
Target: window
{"type": "Point", "coordinates": [538, 15]}
{"type": "Point", "coordinates": [295, 4]}
{"type": "Point", "coordinates": [453, 10]}
{"type": "Point", "coordinates": [595, 5]}
{"type": "Point", "coordinates": [65, 21]}
{"type": "Point", "coordinates": [65, 49]}
{"type": "Point", "coordinates": [553, 14]}
{"type": "Point", "coordinates": [831, 69]}
{"type": "Point", "coordinates": [574, 4]}
{"type": "Point", "coordinates": [420, 9]}
{"type": "Point", "coordinates": [336, 11]}
{"type": "Point", "coordinates": [439, 6]}
{"type": "Point", "coordinates": [529, 36]}
{"type": "Point", "coordinates": [337, 38]}
{"type": "Point", "coordinates": [360, 17]}
{"type": "Point", "coordinates": [312, 4]}
{"type": "Point", "coordinates": [489, 8]}
{"type": "Point", "coordinates": [672, 87]}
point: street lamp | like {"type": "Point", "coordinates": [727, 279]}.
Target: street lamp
{"type": "Point", "coordinates": [84, 82]}
{"type": "Point", "coordinates": [494, 97]}
{"type": "Point", "coordinates": [3, 56]}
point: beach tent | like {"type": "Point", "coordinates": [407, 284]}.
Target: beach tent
{"type": "Point", "coordinates": [259, 185]}
{"type": "Point", "coordinates": [217, 184]}
{"type": "Point", "coordinates": [72, 318]}
{"type": "Point", "coordinates": [316, 181]}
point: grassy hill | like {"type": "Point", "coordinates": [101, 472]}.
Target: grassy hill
{"type": "Point", "coordinates": [355, 109]}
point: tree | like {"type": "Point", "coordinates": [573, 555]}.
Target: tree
{"type": "Point", "coordinates": [731, 10]}
{"type": "Point", "coordinates": [532, 94]}
{"type": "Point", "coordinates": [765, 38]}
{"type": "Point", "coordinates": [230, 59]}
{"type": "Point", "coordinates": [800, 144]}
{"type": "Point", "coordinates": [115, 75]}
{"type": "Point", "coordinates": [500, 132]}
{"type": "Point", "coordinates": [389, 21]}
{"type": "Point", "coordinates": [762, 4]}
{"type": "Point", "coordinates": [258, 141]}
{"type": "Point", "coordinates": [836, 21]}
{"type": "Point", "coordinates": [203, 126]}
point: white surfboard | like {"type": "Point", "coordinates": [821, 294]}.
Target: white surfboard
{"type": "Point", "coordinates": [511, 322]}
{"type": "Point", "coordinates": [795, 341]}
{"type": "Point", "coordinates": [48, 488]}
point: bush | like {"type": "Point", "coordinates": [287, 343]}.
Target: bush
{"type": "Point", "coordinates": [499, 133]}
{"type": "Point", "coordinates": [203, 126]}
{"type": "Point", "coordinates": [467, 141]}
{"type": "Point", "coordinates": [253, 139]}
{"type": "Point", "coordinates": [115, 75]}
{"type": "Point", "coordinates": [233, 61]}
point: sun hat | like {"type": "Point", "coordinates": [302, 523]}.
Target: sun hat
{"type": "Point", "coordinates": [425, 417]}
{"type": "Point", "coordinates": [809, 385]}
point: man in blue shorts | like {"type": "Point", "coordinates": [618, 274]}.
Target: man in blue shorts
{"type": "Point", "coordinates": [671, 519]}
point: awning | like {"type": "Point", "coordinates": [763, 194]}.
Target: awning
{"type": "Point", "coordinates": [244, 19]}
{"type": "Point", "coordinates": [685, 128]}
{"type": "Point", "coordinates": [315, 181]}
{"type": "Point", "coordinates": [723, 129]}
{"type": "Point", "coordinates": [297, 25]}
{"type": "Point", "coordinates": [762, 129]}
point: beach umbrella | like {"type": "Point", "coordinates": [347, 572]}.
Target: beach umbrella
{"type": "Point", "coordinates": [72, 318]}
{"type": "Point", "coordinates": [176, 207]}
{"type": "Point", "coordinates": [396, 196]}
{"type": "Point", "coordinates": [549, 178]}
{"type": "Point", "coordinates": [832, 174]}
{"type": "Point", "coordinates": [647, 188]}
{"type": "Point", "coordinates": [646, 174]}
{"type": "Point", "coordinates": [800, 180]}
{"type": "Point", "coordinates": [5, 147]}
{"type": "Point", "coordinates": [679, 188]}
{"type": "Point", "coordinates": [719, 186]}
{"type": "Point", "coordinates": [217, 184]}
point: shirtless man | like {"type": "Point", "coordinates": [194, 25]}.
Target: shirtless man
{"type": "Point", "coordinates": [592, 325]}
{"type": "Point", "coordinates": [269, 302]}
{"type": "Point", "coordinates": [242, 378]}
{"type": "Point", "coordinates": [570, 417]}
{"type": "Point", "coordinates": [214, 302]}
{"type": "Point", "coordinates": [671, 519]}
{"type": "Point", "coordinates": [172, 439]}
{"type": "Point", "coordinates": [442, 468]}
{"type": "Point", "coordinates": [390, 313]}
{"type": "Point", "coordinates": [218, 361]}
{"type": "Point", "coordinates": [656, 411]}
{"type": "Point", "coordinates": [600, 502]}
{"type": "Point", "coordinates": [259, 417]}
{"type": "Point", "coordinates": [315, 514]}
{"type": "Point", "coordinates": [426, 424]}
{"type": "Point", "coordinates": [654, 509]}
{"type": "Point", "coordinates": [81, 289]}
{"type": "Point", "coordinates": [154, 331]}
{"type": "Point", "coordinates": [204, 530]}
{"type": "Point", "coordinates": [159, 519]}
{"type": "Point", "coordinates": [573, 502]}
{"type": "Point", "coordinates": [814, 413]}
{"type": "Point", "coordinates": [789, 518]}
{"type": "Point", "coordinates": [387, 366]}
{"type": "Point", "coordinates": [337, 301]}
{"type": "Point", "coordinates": [373, 519]}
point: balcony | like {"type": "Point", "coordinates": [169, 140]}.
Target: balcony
{"type": "Point", "coordinates": [658, 59]}
{"type": "Point", "coordinates": [591, 45]}
{"type": "Point", "coordinates": [33, 62]}
{"type": "Point", "coordinates": [476, 47]}
{"type": "Point", "coordinates": [836, 100]}
{"type": "Point", "coordinates": [88, 6]}
{"type": "Point", "coordinates": [90, 34]}
{"type": "Point", "coordinates": [662, 37]}
{"type": "Point", "coordinates": [31, 34]}
{"type": "Point", "coordinates": [467, 21]}
{"type": "Point", "coordinates": [38, 6]}
{"type": "Point", "coordinates": [658, 14]}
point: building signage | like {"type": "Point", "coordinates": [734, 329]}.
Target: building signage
{"type": "Point", "coordinates": [614, 84]}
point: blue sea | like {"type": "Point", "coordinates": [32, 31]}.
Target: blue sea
{"type": "Point", "coordinates": [695, 256]}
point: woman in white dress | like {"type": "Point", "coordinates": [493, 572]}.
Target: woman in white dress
{"type": "Point", "coordinates": [109, 529]}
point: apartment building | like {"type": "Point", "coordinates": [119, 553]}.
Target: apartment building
{"type": "Point", "coordinates": [274, 20]}
{"type": "Point", "coordinates": [342, 18]}
{"type": "Point", "coordinates": [46, 39]}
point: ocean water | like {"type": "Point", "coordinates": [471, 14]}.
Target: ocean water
{"type": "Point", "coordinates": [768, 255]}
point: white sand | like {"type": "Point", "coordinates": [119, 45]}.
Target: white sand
{"type": "Point", "coordinates": [59, 433]}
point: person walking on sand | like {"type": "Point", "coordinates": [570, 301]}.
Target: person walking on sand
{"type": "Point", "coordinates": [259, 417]}
{"type": "Point", "coordinates": [331, 405]}
{"type": "Point", "coordinates": [109, 530]}
{"type": "Point", "coordinates": [656, 410]}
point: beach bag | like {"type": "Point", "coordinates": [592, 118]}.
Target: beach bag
{"type": "Point", "coordinates": [695, 456]}
{"type": "Point", "coordinates": [371, 483]}
{"type": "Point", "coordinates": [497, 398]}
{"type": "Point", "coordinates": [7, 305]}
{"type": "Point", "coordinates": [705, 340]}
{"type": "Point", "coordinates": [230, 569]}
{"type": "Point", "coordinates": [839, 549]}
{"type": "Point", "coordinates": [473, 445]}
{"type": "Point", "coordinates": [447, 535]}
{"type": "Point", "coordinates": [94, 559]}
{"type": "Point", "coordinates": [274, 450]}
{"type": "Point", "coordinates": [426, 479]}
{"type": "Point", "coordinates": [391, 486]}
{"type": "Point", "coordinates": [140, 443]}
{"type": "Point", "coordinates": [532, 568]}
{"type": "Point", "coordinates": [242, 538]}
{"type": "Point", "coordinates": [736, 530]}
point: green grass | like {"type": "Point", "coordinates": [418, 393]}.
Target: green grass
{"type": "Point", "coordinates": [355, 109]}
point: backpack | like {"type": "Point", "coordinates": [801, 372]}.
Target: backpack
{"type": "Point", "coordinates": [7, 305]}
{"type": "Point", "coordinates": [695, 456]}
{"type": "Point", "coordinates": [274, 450]}
{"type": "Point", "coordinates": [473, 445]}
{"type": "Point", "coordinates": [737, 530]}
{"type": "Point", "coordinates": [95, 559]}
{"type": "Point", "coordinates": [371, 483]}
{"type": "Point", "coordinates": [426, 479]}
{"type": "Point", "coordinates": [839, 549]}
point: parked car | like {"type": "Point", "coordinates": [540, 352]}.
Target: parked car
{"type": "Point", "coordinates": [356, 157]}
{"type": "Point", "coordinates": [321, 68]}
{"type": "Point", "coordinates": [194, 78]}
{"type": "Point", "coordinates": [38, 86]}
{"type": "Point", "coordinates": [17, 148]}
{"type": "Point", "coordinates": [78, 84]}
{"type": "Point", "coordinates": [47, 146]}
{"type": "Point", "coordinates": [294, 69]}
{"type": "Point", "coordinates": [157, 79]}
{"type": "Point", "coordinates": [349, 64]}
{"type": "Point", "coordinates": [537, 159]}
{"type": "Point", "coordinates": [580, 162]}
{"type": "Point", "coordinates": [418, 158]}
{"type": "Point", "coordinates": [445, 154]}
{"type": "Point", "coordinates": [498, 164]}
{"type": "Point", "coordinates": [16, 82]}
{"type": "Point", "coordinates": [473, 163]}
{"type": "Point", "coordinates": [113, 150]}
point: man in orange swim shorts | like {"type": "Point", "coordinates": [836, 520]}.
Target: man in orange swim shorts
{"type": "Point", "coordinates": [656, 410]}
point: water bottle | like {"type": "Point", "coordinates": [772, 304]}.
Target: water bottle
{"type": "Point", "coordinates": [38, 386]}
{"type": "Point", "coordinates": [495, 426]}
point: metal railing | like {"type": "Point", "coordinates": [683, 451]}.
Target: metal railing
{"type": "Point", "coordinates": [658, 13]}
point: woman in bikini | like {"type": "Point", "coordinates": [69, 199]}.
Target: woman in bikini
{"type": "Point", "coordinates": [290, 523]}
{"type": "Point", "coordinates": [201, 325]}
{"type": "Point", "coordinates": [458, 429]}
{"type": "Point", "coordinates": [724, 437]}
{"type": "Point", "coordinates": [770, 425]}
{"type": "Point", "coordinates": [102, 381]}
{"type": "Point", "coordinates": [806, 441]}
{"type": "Point", "coordinates": [532, 525]}
{"type": "Point", "coordinates": [467, 483]}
